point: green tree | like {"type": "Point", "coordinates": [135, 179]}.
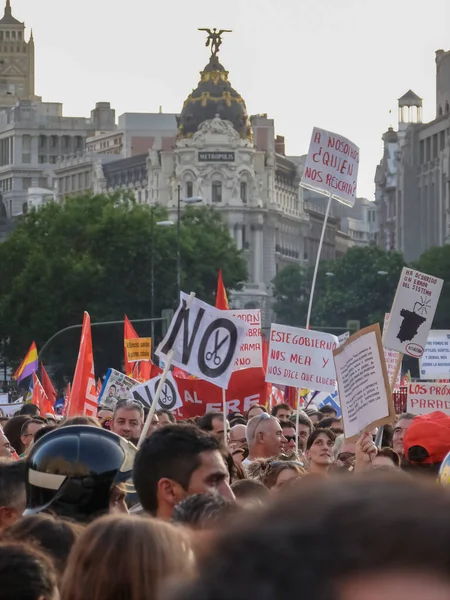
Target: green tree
{"type": "Point", "coordinates": [436, 262]}
{"type": "Point", "coordinates": [94, 253]}
{"type": "Point", "coordinates": [359, 286]}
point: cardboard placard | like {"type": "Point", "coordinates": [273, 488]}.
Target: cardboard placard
{"type": "Point", "coordinates": [138, 349]}
{"type": "Point", "coordinates": [116, 386]}
{"type": "Point", "coordinates": [363, 384]}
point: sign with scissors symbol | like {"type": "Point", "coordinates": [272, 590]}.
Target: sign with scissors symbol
{"type": "Point", "coordinates": [214, 355]}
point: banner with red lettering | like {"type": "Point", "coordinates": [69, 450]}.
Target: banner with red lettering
{"type": "Point", "coordinates": [246, 387]}
{"type": "Point", "coordinates": [331, 167]}
{"type": "Point", "coordinates": [301, 358]}
{"type": "Point", "coordinates": [83, 398]}
{"type": "Point", "coordinates": [424, 398]}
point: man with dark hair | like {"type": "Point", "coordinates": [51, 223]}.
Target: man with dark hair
{"type": "Point", "coordinates": [30, 409]}
{"type": "Point", "coordinates": [166, 417]}
{"type": "Point", "coordinates": [282, 411]}
{"type": "Point", "coordinates": [372, 533]}
{"type": "Point", "coordinates": [290, 436]}
{"type": "Point", "coordinates": [402, 425]}
{"type": "Point", "coordinates": [12, 492]}
{"type": "Point", "coordinates": [319, 450]}
{"type": "Point", "coordinates": [178, 461]}
{"type": "Point", "coordinates": [305, 429]}
{"type": "Point", "coordinates": [28, 431]}
{"type": "Point", "coordinates": [128, 420]}
{"type": "Point", "coordinates": [213, 422]}
{"type": "Point", "coordinates": [332, 423]}
{"type": "Point", "coordinates": [328, 411]}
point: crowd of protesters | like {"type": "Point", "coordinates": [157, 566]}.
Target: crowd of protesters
{"type": "Point", "coordinates": [262, 505]}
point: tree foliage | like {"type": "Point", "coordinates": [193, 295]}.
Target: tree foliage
{"type": "Point", "coordinates": [359, 286]}
{"type": "Point", "coordinates": [436, 262]}
{"type": "Point", "coordinates": [94, 253]}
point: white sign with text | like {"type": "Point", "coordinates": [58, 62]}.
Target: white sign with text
{"type": "Point", "coordinates": [205, 341]}
{"type": "Point", "coordinates": [424, 398]}
{"type": "Point", "coordinates": [362, 382]}
{"type": "Point", "coordinates": [331, 166]}
{"type": "Point", "coordinates": [169, 399]}
{"type": "Point", "coordinates": [412, 312]}
{"type": "Point", "coordinates": [301, 358]}
{"type": "Point", "coordinates": [435, 362]}
{"type": "Point", "coordinates": [250, 354]}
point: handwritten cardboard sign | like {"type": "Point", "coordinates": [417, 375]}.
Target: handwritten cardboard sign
{"type": "Point", "coordinates": [138, 349]}
{"type": "Point", "coordinates": [412, 312]}
{"type": "Point", "coordinates": [250, 354]}
{"type": "Point", "coordinates": [301, 358]}
{"type": "Point", "coordinates": [435, 362]}
{"type": "Point", "coordinates": [331, 167]}
{"type": "Point", "coordinates": [363, 384]}
{"type": "Point", "coordinates": [426, 398]}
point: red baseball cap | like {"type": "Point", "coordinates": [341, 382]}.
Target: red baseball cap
{"type": "Point", "coordinates": [427, 440]}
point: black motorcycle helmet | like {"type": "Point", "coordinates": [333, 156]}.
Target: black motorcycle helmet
{"type": "Point", "coordinates": [71, 471]}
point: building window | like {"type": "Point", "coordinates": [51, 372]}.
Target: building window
{"type": "Point", "coordinates": [244, 191]}
{"type": "Point", "coordinates": [43, 182]}
{"type": "Point", "coordinates": [189, 189]}
{"type": "Point", "coordinates": [216, 191]}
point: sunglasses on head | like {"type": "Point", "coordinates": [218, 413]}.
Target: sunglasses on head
{"type": "Point", "coordinates": [262, 417]}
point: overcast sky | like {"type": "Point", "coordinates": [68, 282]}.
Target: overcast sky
{"type": "Point", "coordinates": [336, 64]}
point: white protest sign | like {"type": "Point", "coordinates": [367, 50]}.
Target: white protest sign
{"type": "Point", "coordinates": [169, 399]}
{"type": "Point", "coordinates": [393, 361]}
{"type": "Point", "coordinates": [343, 338]}
{"type": "Point", "coordinates": [8, 410]}
{"type": "Point", "coordinates": [425, 398]}
{"type": "Point", "coordinates": [331, 167]}
{"type": "Point", "coordinates": [435, 362]}
{"type": "Point", "coordinates": [301, 358]}
{"type": "Point", "coordinates": [363, 384]}
{"type": "Point", "coordinates": [412, 312]}
{"type": "Point", "coordinates": [116, 386]}
{"type": "Point", "coordinates": [250, 355]}
{"type": "Point", "coordinates": [205, 341]}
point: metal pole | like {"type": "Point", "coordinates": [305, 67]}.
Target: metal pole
{"type": "Point", "coordinates": [99, 323]}
{"type": "Point", "coordinates": [316, 268]}
{"type": "Point", "coordinates": [152, 277]}
{"type": "Point", "coordinates": [179, 245]}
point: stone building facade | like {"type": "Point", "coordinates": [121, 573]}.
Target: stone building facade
{"type": "Point", "coordinates": [412, 179]}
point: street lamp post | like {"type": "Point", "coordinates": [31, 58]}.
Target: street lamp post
{"type": "Point", "coordinates": [193, 200]}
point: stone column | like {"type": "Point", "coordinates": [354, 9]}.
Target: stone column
{"type": "Point", "coordinates": [239, 240]}
{"type": "Point", "coordinates": [257, 254]}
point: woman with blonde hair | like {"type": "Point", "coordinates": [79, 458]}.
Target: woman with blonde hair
{"type": "Point", "coordinates": [126, 558]}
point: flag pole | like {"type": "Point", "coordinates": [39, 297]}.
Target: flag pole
{"type": "Point", "coordinates": [224, 408]}
{"type": "Point", "coordinates": [316, 268]}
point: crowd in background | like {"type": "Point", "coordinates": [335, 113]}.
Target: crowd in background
{"type": "Point", "coordinates": [262, 505]}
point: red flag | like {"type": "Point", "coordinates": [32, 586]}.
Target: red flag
{"type": "Point", "coordinates": [48, 386]}
{"type": "Point", "coordinates": [83, 400]}
{"type": "Point", "coordinates": [40, 398]}
{"type": "Point", "coordinates": [99, 386]}
{"type": "Point", "coordinates": [221, 295]}
{"type": "Point", "coordinates": [129, 333]}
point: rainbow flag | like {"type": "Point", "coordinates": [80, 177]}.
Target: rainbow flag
{"type": "Point", "coordinates": [29, 364]}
